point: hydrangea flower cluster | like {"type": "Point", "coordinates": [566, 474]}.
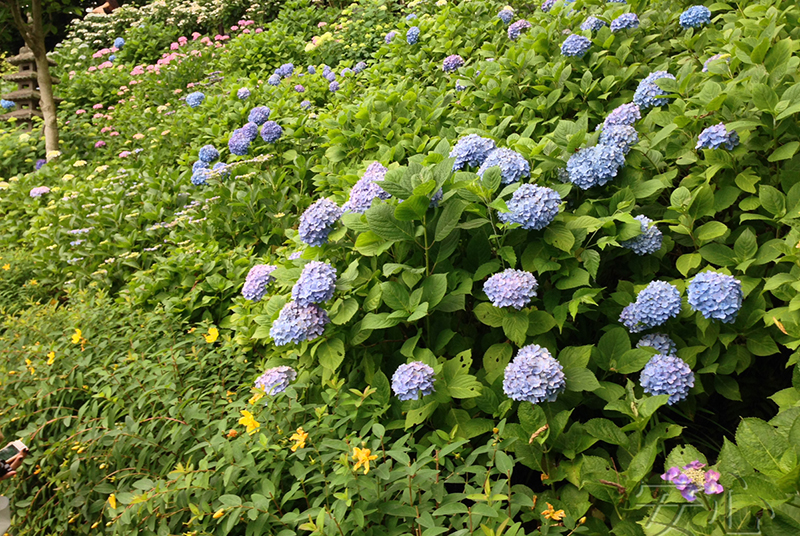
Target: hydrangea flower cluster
{"type": "Point", "coordinates": [511, 288]}
{"type": "Point", "coordinates": [624, 22]}
{"type": "Point", "coordinates": [624, 115]}
{"type": "Point", "coordinates": [716, 137]}
{"type": "Point", "coordinates": [299, 88]}
{"type": "Point", "coordinates": [195, 99]}
{"type": "Point", "coordinates": [297, 323]}
{"type": "Point", "coordinates": [534, 376]}
{"type": "Point", "coordinates": [360, 66]}
{"type": "Point", "coordinates": [667, 375]}
{"type": "Point", "coordinates": [576, 45]}
{"type": "Point", "coordinates": [595, 166]}
{"type": "Point", "coordinates": [695, 16]}
{"type": "Point", "coordinates": [715, 57]}
{"type": "Point", "coordinates": [515, 29]}
{"type": "Point", "coordinates": [39, 164]}
{"type": "Point", "coordinates": [622, 136]}
{"type": "Point", "coordinates": [648, 94]}
{"type": "Point", "coordinates": [333, 87]}
{"type": "Point", "coordinates": [276, 380]}
{"type": "Point", "coordinates": [413, 379]}
{"type": "Point", "coordinates": [119, 42]}
{"type": "Point", "coordinates": [412, 35]}
{"type": "Point", "coordinates": [592, 24]}
{"type": "Point", "coordinates": [460, 85]}
{"type": "Point", "coordinates": [513, 165]}
{"type": "Point", "coordinates": [452, 62]}
{"type": "Point", "coordinates": [717, 296]}
{"type": "Point", "coordinates": [312, 69]}
{"type": "Point", "coordinates": [547, 5]}
{"type": "Point", "coordinates": [271, 132]}
{"type": "Point", "coordinates": [305, 105]}
{"type": "Point", "coordinates": [317, 221]}
{"type": "Point", "coordinates": [655, 304]}
{"type": "Point", "coordinates": [389, 37]}
{"type": "Point", "coordinates": [692, 479]}
{"type": "Point", "coordinates": [506, 15]}
{"type": "Point", "coordinates": [208, 153]}
{"type": "Point", "coordinates": [315, 285]}
{"type": "Point", "coordinates": [222, 169]}
{"type": "Point", "coordinates": [274, 80]}
{"type": "Point", "coordinates": [7, 104]}
{"type": "Point", "coordinates": [239, 143]}
{"type": "Point", "coordinates": [250, 131]}
{"type": "Point", "coordinates": [646, 243]}
{"type": "Point", "coordinates": [285, 70]}
{"type": "Point", "coordinates": [200, 176]}
{"type": "Point", "coordinates": [531, 206]}
{"type": "Point", "coordinates": [255, 284]}
{"type": "Point", "coordinates": [259, 115]}
{"type": "Point", "coordinates": [659, 342]}
{"type": "Point", "coordinates": [243, 93]}
{"type": "Point", "coordinates": [471, 151]}
{"type": "Point", "coordinates": [367, 189]}
{"type": "Point", "coordinates": [39, 191]}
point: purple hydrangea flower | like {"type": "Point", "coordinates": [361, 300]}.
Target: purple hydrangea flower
{"type": "Point", "coordinates": [452, 63]}
{"type": "Point", "coordinates": [659, 342]}
{"type": "Point", "coordinates": [389, 37]}
{"type": "Point", "coordinates": [576, 45]}
{"type": "Point", "coordinates": [534, 376]}
{"type": "Point", "coordinates": [716, 137]}
{"type": "Point", "coordinates": [39, 164]}
{"type": "Point", "coordinates": [200, 177]}
{"type": "Point", "coordinates": [285, 70]}
{"type": "Point", "coordinates": [195, 99]}
{"type": "Point", "coordinates": [412, 35]}
{"type": "Point", "coordinates": [471, 151]}
{"type": "Point", "coordinates": [513, 165]}
{"type": "Point", "coordinates": [655, 304]}
{"type": "Point", "coordinates": [259, 115]}
{"type": "Point", "coordinates": [692, 479]}
{"type": "Point", "coordinates": [667, 375]}
{"type": "Point", "coordinates": [316, 284]}
{"type": "Point", "coordinates": [531, 206]}
{"type": "Point", "coordinates": [239, 143]}
{"type": "Point", "coordinates": [621, 136]}
{"type": "Point", "coordinates": [547, 5]}
{"type": "Point", "coordinates": [624, 22]}
{"type": "Point", "coordinates": [305, 105]}
{"type": "Point", "coordinates": [7, 104]}
{"type": "Point", "coordinates": [515, 29]}
{"type": "Point", "coordinates": [329, 75]}
{"type": "Point", "coordinates": [592, 24]}
{"type": "Point", "coordinates": [624, 115]}
{"type": "Point", "coordinates": [39, 191]}
{"type": "Point", "coordinates": [243, 93]}
{"type": "Point", "coordinates": [255, 284]}
{"type": "Point", "coordinates": [317, 221]}
{"type": "Point", "coordinates": [311, 70]}
{"type": "Point", "coordinates": [595, 166]}
{"type": "Point", "coordinates": [717, 296]}
{"type": "Point", "coordinates": [222, 169]}
{"type": "Point", "coordinates": [648, 94]}
{"type": "Point", "coordinates": [333, 86]}
{"type": "Point", "coordinates": [250, 130]}
{"type": "Point", "coordinates": [208, 153]}
{"type": "Point", "coordinates": [511, 288]}
{"type": "Point", "coordinates": [299, 88]}
{"type": "Point", "coordinates": [119, 42]}
{"type": "Point", "coordinates": [413, 379]}
{"type": "Point", "coordinates": [695, 16]}
{"type": "Point", "coordinates": [715, 57]}
{"type": "Point", "coordinates": [276, 380]}
{"type": "Point", "coordinates": [367, 189]}
{"type": "Point", "coordinates": [297, 323]}
{"type": "Point", "coordinates": [274, 80]}
{"type": "Point", "coordinates": [271, 132]}
{"type": "Point", "coordinates": [646, 243]}
{"type": "Point", "coordinates": [360, 66]}
{"type": "Point", "coordinates": [506, 15]}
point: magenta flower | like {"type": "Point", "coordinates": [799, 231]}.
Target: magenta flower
{"type": "Point", "coordinates": [692, 479]}
{"type": "Point", "coordinates": [99, 144]}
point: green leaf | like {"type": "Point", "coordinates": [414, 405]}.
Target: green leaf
{"type": "Point", "coordinates": [515, 326]}
{"type": "Point", "coordinates": [772, 200]}
{"type": "Point", "coordinates": [746, 245]}
{"type": "Point", "coordinates": [784, 152]}
{"type": "Point", "coordinates": [711, 230]}
{"type": "Point", "coordinates": [395, 295]}
{"type": "Point", "coordinates": [612, 345]}
{"type": "Point", "coordinates": [464, 386]}
{"type": "Point", "coordinates": [230, 501]}
{"type": "Point", "coordinates": [434, 288]}
{"type": "Point", "coordinates": [559, 236]}
{"type": "Point", "coordinates": [378, 321]}
{"type": "Point", "coordinates": [762, 446]}
{"type": "Point", "coordinates": [489, 314]}
{"type": "Point", "coordinates": [575, 356]}
{"type": "Point", "coordinates": [718, 254]}
{"type": "Point", "coordinates": [688, 262]}
{"type": "Point", "coordinates": [491, 178]}
{"type": "Point", "coordinates": [495, 360]}
{"type": "Point", "coordinates": [727, 387]}
{"type": "Point", "coordinates": [540, 322]}
{"type": "Point", "coordinates": [420, 312]}
{"type": "Point", "coordinates": [632, 361]}
{"type": "Point", "coordinates": [532, 418]}
{"type": "Point", "coordinates": [418, 415]}
{"type": "Point", "coordinates": [413, 208]}
{"type": "Point", "coordinates": [606, 430]}
{"type": "Point", "coordinates": [449, 218]}
{"type": "Point", "coordinates": [330, 354]}
{"type": "Point", "coordinates": [383, 223]}
{"type": "Point", "coordinates": [581, 379]}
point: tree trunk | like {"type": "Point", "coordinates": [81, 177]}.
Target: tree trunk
{"type": "Point", "coordinates": [47, 103]}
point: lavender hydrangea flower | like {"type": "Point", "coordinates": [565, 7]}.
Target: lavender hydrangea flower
{"type": "Point", "coordinates": [285, 70]}
{"type": "Point", "coordinates": [296, 255]}
{"type": "Point", "coordinates": [592, 24]}
{"type": "Point", "coordinates": [621, 136]}
{"type": "Point", "coordinates": [576, 45]}
{"type": "Point", "coordinates": [695, 16]}
{"type": "Point", "coordinates": [531, 206]}
{"type": "Point", "coordinates": [222, 169]}
{"type": "Point", "coordinates": [717, 296]}
{"type": "Point", "coordinates": [534, 376]}
{"type": "Point", "coordinates": [471, 151]}
{"type": "Point", "coordinates": [412, 35]}
{"type": "Point", "coordinates": [667, 375]}
{"type": "Point", "coordinates": [276, 380]}
{"type": "Point", "coordinates": [460, 85]}
{"type": "Point", "coordinates": [297, 323]}
{"type": "Point", "coordinates": [511, 288]}
{"type": "Point", "coordinates": [655, 304]}
{"type": "Point", "coordinates": [516, 29]}
{"type": "Point", "coordinates": [271, 132]}
{"type": "Point", "coordinates": [547, 5]}
{"type": "Point", "coordinates": [648, 94]}
{"type": "Point", "coordinates": [299, 88]}
{"type": "Point", "coordinates": [412, 380]}
{"type": "Point", "coordinates": [715, 57]}
{"type": "Point", "coordinates": [437, 197]}
{"type": "Point", "coordinates": [39, 164]}
{"type": "Point", "coordinates": [305, 105]}
{"type": "Point", "coordinates": [716, 137]}
{"type": "Point", "coordinates": [7, 104]}
{"type": "Point", "coordinates": [259, 115]}
{"type": "Point", "coordinates": [239, 143]}
{"type": "Point", "coordinates": [646, 243]}
{"type": "Point", "coordinates": [243, 93]}
{"type": "Point", "coordinates": [199, 165]}
{"type": "Point", "coordinates": [513, 165]}
{"type": "Point", "coordinates": [195, 99]}
{"type": "Point", "coordinates": [624, 115]}
{"type": "Point", "coordinates": [255, 284]}
{"type": "Point", "coordinates": [506, 15]}
{"type": "Point", "coordinates": [367, 189]}
{"type": "Point", "coordinates": [624, 22]}
{"type": "Point", "coordinates": [39, 191]}
{"type": "Point", "coordinates": [389, 37]}
{"type": "Point", "coordinates": [274, 80]}
{"type": "Point", "coordinates": [317, 221]}
{"type": "Point", "coordinates": [200, 177]}
{"type": "Point", "coordinates": [360, 66]}
{"type": "Point", "coordinates": [692, 479]}
{"type": "Point", "coordinates": [316, 284]}
{"type": "Point", "coordinates": [659, 342]}
{"type": "Point", "coordinates": [452, 63]}
{"type": "Point", "coordinates": [329, 75]}
{"type": "Point", "coordinates": [410, 17]}
{"type": "Point", "coordinates": [333, 87]}
{"type": "Point", "coordinates": [208, 153]}
{"type": "Point", "coordinates": [250, 131]}
{"type": "Point", "coordinates": [311, 70]}
{"type": "Point", "coordinates": [595, 166]}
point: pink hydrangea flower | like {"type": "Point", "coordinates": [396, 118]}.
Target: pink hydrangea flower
{"type": "Point", "coordinates": [124, 154]}
{"type": "Point", "coordinates": [100, 144]}
{"type": "Point", "coordinates": [174, 46]}
{"type": "Point", "coordinates": [259, 30]}
{"type": "Point", "coordinates": [79, 112]}
{"type": "Point", "coordinates": [195, 36]}
{"type": "Point", "coordinates": [98, 106]}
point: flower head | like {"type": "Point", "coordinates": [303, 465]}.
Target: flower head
{"type": "Point", "coordinates": [259, 115]}
{"type": "Point", "coordinates": [624, 22]}
{"type": "Point", "coordinates": [77, 336]}
{"type": "Point", "coordinates": [366, 189]}
{"type": "Point", "coordinates": [534, 376]}
{"type": "Point", "coordinates": [471, 151]}
{"type": "Point", "coordinates": [412, 35]}
{"type": "Point", "coordinates": [655, 304]}
{"type": "Point", "coordinates": [626, 114]}
{"type": "Point", "coordinates": [255, 284]}
{"type": "Point", "coordinates": [285, 70]}
{"type": "Point", "coordinates": [243, 93]}
{"type": "Point", "coordinates": [297, 323]}
{"type": "Point", "coordinates": [249, 421]}
{"type": "Point", "coordinates": [452, 62]}
{"type": "Point", "coordinates": [692, 479]}
{"type": "Point", "coordinates": [275, 380]}
{"type": "Point", "coordinates": [305, 105]}
{"type": "Point", "coordinates": [195, 99]}
{"type": "Point", "coordinates": [667, 375]}
{"type": "Point", "coordinates": [511, 288]}
{"type": "Point", "coordinates": [363, 457]}
{"type": "Point", "coordinates": [317, 221]}
{"type": "Point", "coordinates": [271, 132]}
{"type": "Point", "coordinates": [316, 283]}
{"type": "Point", "coordinates": [413, 379]}
{"type": "Point", "coordinates": [716, 137]}
{"type": "Point", "coordinates": [595, 166]}
{"type": "Point", "coordinates": [513, 166]}
{"type": "Point", "coordinates": [299, 437]}
{"type": "Point", "coordinates": [333, 87]}
{"type": "Point", "coordinates": [516, 29]}
{"type": "Point", "coordinates": [8, 105]}
{"type": "Point", "coordinates": [360, 66]}
{"type": "Point", "coordinates": [707, 63]}
{"type": "Point", "coordinates": [695, 16]}
{"type": "Point", "coordinates": [239, 143]}
{"type": "Point", "coordinates": [648, 94]}
{"type": "Point", "coordinates": [621, 136]}
{"type": "Point", "coordinates": [552, 513]}
{"type": "Point", "coordinates": [208, 153]}
{"type": "Point", "coordinates": [274, 80]}
{"type": "Point", "coordinates": [506, 15]}
{"type": "Point", "coordinates": [576, 45]}
{"type": "Point", "coordinates": [648, 242]}
{"type": "Point", "coordinates": [531, 206]}
{"type": "Point", "coordinates": [592, 24]}
{"type": "Point", "coordinates": [39, 191]}
{"type": "Point", "coordinates": [717, 296]}
{"type": "Point", "coordinates": [659, 342]}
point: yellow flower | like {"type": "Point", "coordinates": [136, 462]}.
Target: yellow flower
{"type": "Point", "coordinates": [6, 267]}
{"type": "Point", "coordinates": [219, 513]}
{"type": "Point", "coordinates": [112, 501]}
{"type": "Point", "coordinates": [258, 395]}
{"type": "Point", "coordinates": [213, 334]}
{"type": "Point", "coordinates": [51, 357]}
{"type": "Point", "coordinates": [79, 163]}
{"type": "Point", "coordinates": [33, 282]}
{"type": "Point", "coordinates": [362, 457]}
{"type": "Point", "coordinates": [552, 513]}
{"type": "Point", "coordinates": [249, 421]}
{"type": "Point", "coordinates": [76, 338]}
{"type": "Point", "coordinates": [299, 438]}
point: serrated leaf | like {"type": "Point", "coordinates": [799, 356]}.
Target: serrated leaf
{"type": "Point", "coordinates": [383, 223]}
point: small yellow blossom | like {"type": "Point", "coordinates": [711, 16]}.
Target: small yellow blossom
{"type": "Point", "coordinates": [6, 267]}
{"type": "Point", "coordinates": [552, 513]}
{"type": "Point", "coordinates": [362, 457]}
{"type": "Point", "coordinates": [51, 357]}
{"type": "Point", "coordinates": [77, 336]}
{"type": "Point", "coordinates": [79, 163]}
{"type": "Point", "coordinates": [258, 395]}
{"type": "Point", "coordinates": [299, 438]}
{"type": "Point", "coordinates": [30, 368]}
{"type": "Point", "coordinates": [219, 513]}
{"type": "Point", "coordinates": [249, 421]}
{"type": "Point", "coordinates": [112, 501]}
{"type": "Point", "coordinates": [213, 334]}
{"type": "Point", "coordinates": [33, 282]}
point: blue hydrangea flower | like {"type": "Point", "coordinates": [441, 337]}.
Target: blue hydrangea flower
{"type": "Point", "coordinates": [717, 296]}
{"type": "Point", "coordinates": [255, 284]}
{"type": "Point", "coordinates": [534, 376]}
{"type": "Point", "coordinates": [360, 66]}
{"type": "Point", "coordinates": [239, 143]}
{"type": "Point", "coordinates": [330, 76]}
{"type": "Point", "coordinates": [624, 115]}
{"type": "Point", "coordinates": [222, 169]}
{"type": "Point", "coordinates": [648, 94]}
{"type": "Point", "coordinates": [333, 87]}
{"type": "Point", "coordinates": [624, 22]}
{"type": "Point", "coordinates": [646, 243]}
{"type": "Point", "coordinates": [271, 132]}
{"type": "Point", "coordinates": [346, 71]}
{"type": "Point", "coordinates": [297, 323]}
{"type": "Point", "coordinates": [659, 342]}
{"type": "Point", "coordinates": [7, 104]}
{"type": "Point", "coordinates": [515, 29]}
{"type": "Point", "coordinates": [547, 5]}
{"type": "Point", "coordinates": [119, 42]}
{"type": "Point", "coordinates": [200, 177]}
{"type": "Point", "coordinates": [595, 166]}
{"type": "Point", "coordinates": [413, 379]}
{"type": "Point", "coordinates": [412, 35]}
{"type": "Point", "coordinates": [592, 24]}
{"type": "Point", "coordinates": [667, 375]}
{"type": "Point", "coordinates": [317, 221]}
{"type": "Point", "coordinates": [199, 165]}
{"type": "Point", "coordinates": [437, 197]}
{"type": "Point", "coordinates": [274, 80]}
{"type": "Point", "coordinates": [276, 380]}
{"type": "Point", "coordinates": [695, 16]}
{"type": "Point", "coordinates": [367, 189]}
{"type": "Point", "coordinates": [305, 105]}
{"type": "Point", "coordinates": [513, 165]}
{"type": "Point", "coordinates": [506, 15]}
{"type": "Point", "coordinates": [243, 93]}
{"type": "Point", "coordinates": [531, 206]}
{"type": "Point", "coordinates": [716, 137]}
{"type": "Point", "coordinates": [471, 151]}
{"type": "Point", "coordinates": [617, 2]}
{"type": "Point", "coordinates": [299, 88]}
{"type": "Point", "coordinates": [208, 153]}
{"type": "Point", "coordinates": [621, 136]}
{"type": "Point", "coordinates": [316, 283]}
{"type": "Point", "coordinates": [112, 57]}
{"type": "Point", "coordinates": [389, 37]}
{"type": "Point", "coordinates": [259, 115]}
{"type": "Point", "coordinates": [715, 57]}
{"type": "Point", "coordinates": [511, 288]}
{"type": "Point", "coordinates": [452, 62]}
{"type": "Point", "coordinates": [195, 99]}
{"type": "Point", "coordinates": [311, 70]}
{"type": "Point", "coordinates": [655, 304]}
{"type": "Point", "coordinates": [250, 130]}
{"type": "Point", "coordinates": [460, 85]}
{"type": "Point", "coordinates": [285, 70]}
{"type": "Point", "coordinates": [576, 45]}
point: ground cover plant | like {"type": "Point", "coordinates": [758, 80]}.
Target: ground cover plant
{"type": "Point", "coordinates": [426, 268]}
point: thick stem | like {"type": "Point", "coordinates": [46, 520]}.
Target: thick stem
{"type": "Point", "coordinates": [47, 101]}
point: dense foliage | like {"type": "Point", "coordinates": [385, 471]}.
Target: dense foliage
{"type": "Point", "coordinates": [474, 269]}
